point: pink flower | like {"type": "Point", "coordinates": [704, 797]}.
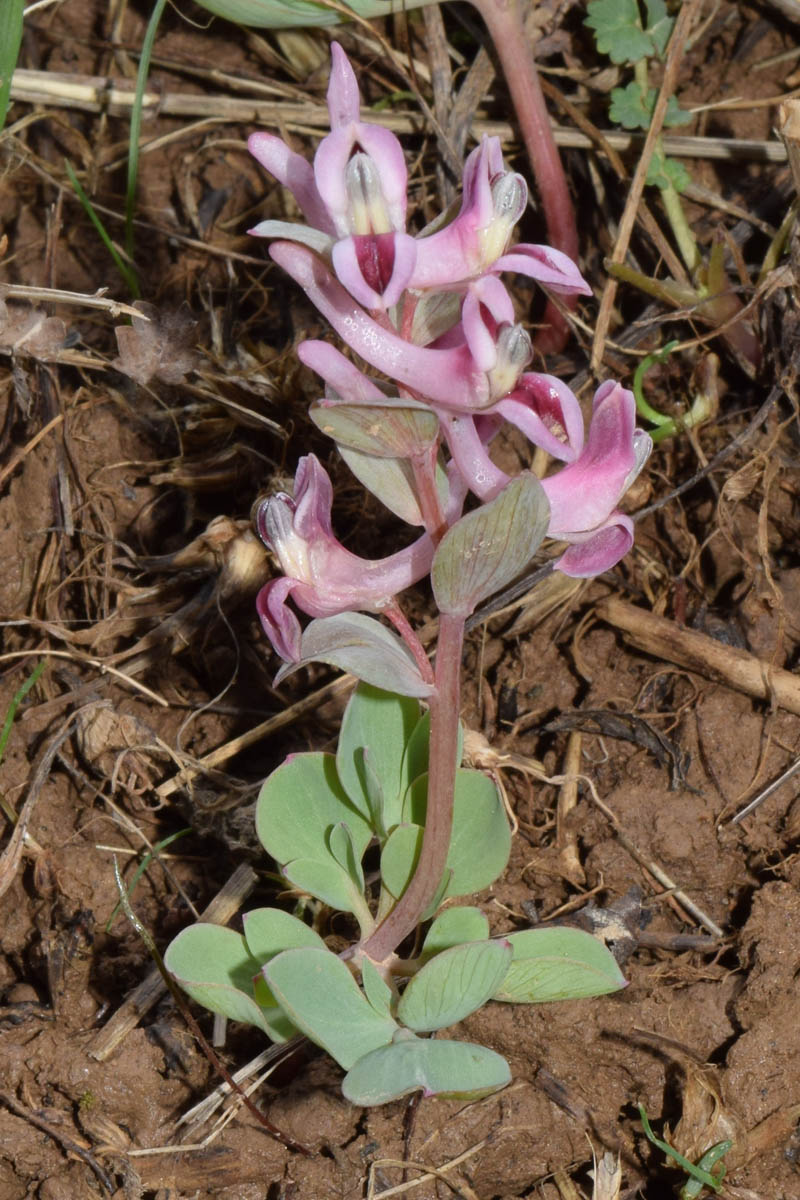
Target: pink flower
{"type": "Point", "coordinates": [476, 242]}
{"type": "Point", "coordinates": [446, 375]}
{"type": "Point", "coordinates": [354, 198]}
{"type": "Point", "coordinates": [321, 576]}
{"type": "Point", "coordinates": [584, 494]}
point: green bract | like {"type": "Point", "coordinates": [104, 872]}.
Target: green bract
{"type": "Point", "coordinates": [488, 548]}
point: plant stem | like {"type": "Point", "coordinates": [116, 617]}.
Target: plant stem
{"type": "Point", "coordinates": [506, 28]}
{"type": "Point", "coordinates": [680, 226]}
{"type": "Point", "coordinates": [445, 706]}
{"type": "Point", "coordinates": [394, 613]}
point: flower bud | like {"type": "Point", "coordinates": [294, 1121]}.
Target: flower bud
{"type": "Point", "coordinates": [509, 197]}
{"type": "Point", "coordinates": [366, 202]}
{"type": "Point", "coordinates": [514, 352]}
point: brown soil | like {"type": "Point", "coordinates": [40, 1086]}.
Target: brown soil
{"type": "Point", "coordinates": [130, 570]}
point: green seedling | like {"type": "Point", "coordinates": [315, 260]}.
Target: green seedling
{"type": "Point", "coordinates": [126, 271]}
{"type": "Point", "coordinates": [142, 867]}
{"type": "Point", "coordinates": [629, 40]}
{"type": "Point", "coordinates": [5, 732]}
{"type": "Point", "coordinates": [316, 816]}
{"type": "Point", "coordinates": [704, 405]}
{"type": "Point", "coordinates": [701, 1174]}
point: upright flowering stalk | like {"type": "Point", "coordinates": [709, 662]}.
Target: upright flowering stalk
{"type": "Point", "coordinates": [432, 316]}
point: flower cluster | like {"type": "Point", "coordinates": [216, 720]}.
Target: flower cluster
{"type": "Point", "coordinates": [431, 314]}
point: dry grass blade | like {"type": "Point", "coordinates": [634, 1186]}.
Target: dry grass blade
{"type": "Point", "coordinates": [97, 94]}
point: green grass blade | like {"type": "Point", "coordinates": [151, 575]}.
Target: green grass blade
{"type": "Point", "coordinates": [127, 272]}
{"type": "Point", "coordinates": [136, 121]}
{"type": "Point", "coordinates": [142, 867]}
{"type": "Point", "coordinates": [15, 703]}
{"type": "Point", "coordinates": [10, 41]}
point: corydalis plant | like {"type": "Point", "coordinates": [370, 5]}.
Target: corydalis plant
{"type": "Point", "coordinates": [433, 316]}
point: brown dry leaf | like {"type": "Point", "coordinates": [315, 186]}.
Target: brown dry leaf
{"type": "Point", "coordinates": [607, 1176]}
{"type": "Point", "coordinates": [705, 1118]}
{"type": "Point", "coordinates": [26, 330]}
{"type": "Point", "coordinates": [109, 739]}
{"type": "Point", "coordinates": [156, 345]}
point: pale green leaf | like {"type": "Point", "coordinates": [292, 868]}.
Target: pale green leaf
{"type": "Point", "coordinates": [453, 984]}
{"type": "Point", "coordinates": [376, 989]}
{"type": "Point", "coordinates": [436, 1068]}
{"type": "Point", "coordinates": [290, 14]}
{"type": "Point", "coordinates": [330, 883]}
{"type": "Point", "coordinates": [372, 744]}
{"type": "Point", "coordinates": [363, 646]}
{"type": "Point", "coordinates": [490, 547]}
{"type": "Point", "coordinates": [267, 931]}
{"type": "Point", "coordinates": [558, 964]}
{"type": "Point", "coordinates": [213, 965]}
{"type": "Point", "coordinates": [453, 927]}
{"type": "Point", "coordinates": [388, 429]}
{"type": "Point", "coordinates": [481, 840]}
{"type": "Point", "coordinates": [298, 806]}
{"type": "Point", "coordinates": [321, 997]}
{"type": "Point", "coordinates": [341, 845]}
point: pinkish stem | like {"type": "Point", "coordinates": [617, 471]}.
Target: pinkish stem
{"type": "Point", "coordinates": [445, 706]}
{"type": "Point", "coordinates": [506, 28]}
{"type": "Point", "coordinates": [394, 613]}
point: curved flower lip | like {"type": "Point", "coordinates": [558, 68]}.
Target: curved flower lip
{"type": "Point", "coordinates": [584, 493]}
{"type": "Point", "coordinates": [375, 269]}
{"type": "Point", "coordinates": [476, 242]}
{"type": "Point", "coordinates": [321, 576]}
{"type": "Point", "coordinates": [598, 551]}
{"type": "Point", "coordinates": [547, 412]}
{"type": "Point", "coordinates": [449, 378]}
{"type": "Point", "coordinates": [295, 173]}
{"type": "Point", "coordinates": [480, 335]}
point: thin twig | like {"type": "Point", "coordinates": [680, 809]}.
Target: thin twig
{"type": "Point", "coordinates": [16, 291]}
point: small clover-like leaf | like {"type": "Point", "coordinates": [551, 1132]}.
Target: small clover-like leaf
{"type": "Point", "coordinates": [558, 964]}
{"type": "Point", "coordinates": [666, 172]}
{"type": "Point", "coordinates": [630, 107]}
{"type": "Point", "coordinates": [321, 997]}
{"type": "Point", "coordinates": [453, 927]}
{"type": "Point", "coordinates": [359, 644]}
{"type": "Point", "coordinates": [453, 984]}
{"type": "Point", "coordinates": [633, 109]}
{"type": "Point", "coordinates": [659, 24]}
{"type": "Point", "coordinates": [618, 30]}
{"type": "Point", "coordinates": [436, 1068]}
